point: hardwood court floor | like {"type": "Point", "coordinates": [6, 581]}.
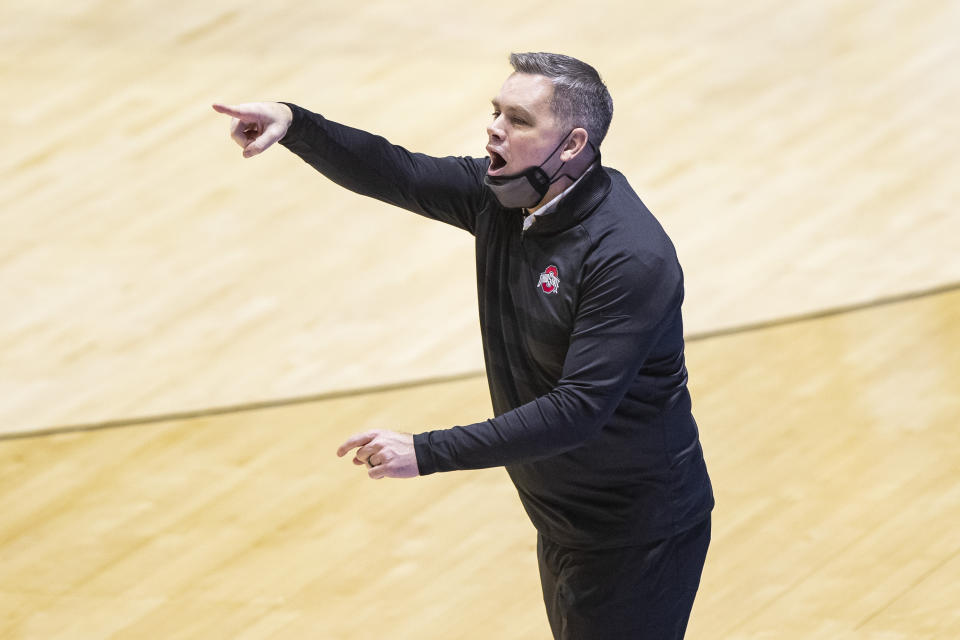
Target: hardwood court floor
{"type": "Point", "coordinates": [832, 444]}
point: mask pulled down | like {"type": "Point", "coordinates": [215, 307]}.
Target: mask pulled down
{"type": "Point", "coordinates": [527, 188]}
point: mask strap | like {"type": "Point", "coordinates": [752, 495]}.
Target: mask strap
{"type": "Point", "coordinates": [554, 177]}
{"type": "Point", "coordinates": [550, 179]}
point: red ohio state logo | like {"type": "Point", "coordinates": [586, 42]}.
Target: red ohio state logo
{"type": "Point", "coordinates": [549, 280]}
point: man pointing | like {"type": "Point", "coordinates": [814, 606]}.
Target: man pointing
{"type": "Point", "coordinates": [579, 293]}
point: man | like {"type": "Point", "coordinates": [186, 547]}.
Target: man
{"type": "Point", "coordinates": [579, 295]}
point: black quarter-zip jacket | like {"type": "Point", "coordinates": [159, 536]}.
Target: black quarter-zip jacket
{"type": "Point", "coordinates": [582, 338]}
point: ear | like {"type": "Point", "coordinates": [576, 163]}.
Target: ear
{"type": "Point", "coordinates": [575, 145]}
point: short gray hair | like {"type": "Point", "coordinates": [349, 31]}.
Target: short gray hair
{"type": "Point", "coordinates": [580, 99]}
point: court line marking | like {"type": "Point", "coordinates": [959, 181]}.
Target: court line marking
{"type": "Point", "coordinates": [825, 313]}
{"type": "Point", "coordinates": [423, 382]}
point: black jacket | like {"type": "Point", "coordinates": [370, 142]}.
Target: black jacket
{"type": "Point", "coordinates": [582, 337]}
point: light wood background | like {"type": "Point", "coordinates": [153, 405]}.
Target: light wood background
{"type": "Point", "coordinates": [803, 158]}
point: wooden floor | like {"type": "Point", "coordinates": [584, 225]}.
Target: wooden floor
{"type": "Point", "coordinates": [803, 158]}
{"type": "Point", "coordinates": [832, 444]}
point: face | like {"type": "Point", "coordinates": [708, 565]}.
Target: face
{"type": "Point", "coordinates": [524, 130]}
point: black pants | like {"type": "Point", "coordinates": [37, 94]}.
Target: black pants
{"type": "Point", "coordinates": [632, 593]}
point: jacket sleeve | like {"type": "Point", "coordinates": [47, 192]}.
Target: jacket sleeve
{"type": "Point", "coordinates": [448, 189]}
{"type": "Point", "coordinates": [625, 304]}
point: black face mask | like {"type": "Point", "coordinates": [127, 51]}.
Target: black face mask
{"type": "Point", "coordinates": [528, 187]}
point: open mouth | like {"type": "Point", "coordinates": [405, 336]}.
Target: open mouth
{"type": "Point", "coordinates": [497, 162]}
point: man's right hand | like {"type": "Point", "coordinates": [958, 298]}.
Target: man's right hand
{"type": "Point", "coordinates": [257, 125]}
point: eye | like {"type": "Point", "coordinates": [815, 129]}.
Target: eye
{"type": "Point", "coordinates": [518, 121]}
{"type": "Point", "coordinates": [496, 114]}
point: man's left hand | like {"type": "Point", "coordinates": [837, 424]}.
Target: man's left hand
{"type": "Point", "coordinates": [388, 454]}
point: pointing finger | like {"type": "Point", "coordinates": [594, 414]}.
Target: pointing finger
{"type": "Point", "coordinates": [229, 110]}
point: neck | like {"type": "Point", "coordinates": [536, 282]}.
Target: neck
{"type": "Point", "coordinates": [555, 189]}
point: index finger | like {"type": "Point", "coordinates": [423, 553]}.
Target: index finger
{"type": "Point", "coordinates": [354, 441]}
{"type": "Point", "coordinates": [229, 110]}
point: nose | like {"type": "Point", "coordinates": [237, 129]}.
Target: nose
{"type": "Point", "coordinates": [495, 130]}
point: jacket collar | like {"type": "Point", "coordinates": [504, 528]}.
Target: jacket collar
{"type": "Point", "coordinates": [576, 205]}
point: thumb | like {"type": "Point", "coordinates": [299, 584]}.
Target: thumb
{"type": "Point", "coordinates": [355, 441]}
